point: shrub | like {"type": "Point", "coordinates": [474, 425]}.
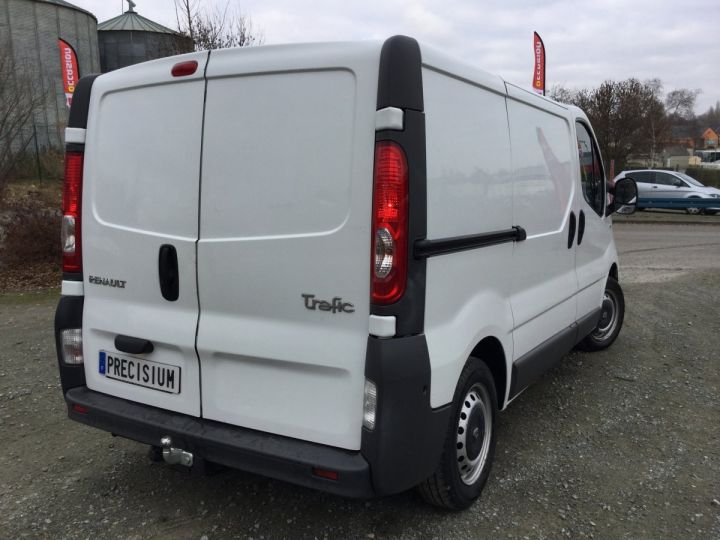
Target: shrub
{"type": "Point", "coordinates": [31, 233]}
{"type": "Point", "coordinates": [709, 177]}
{"type": "Point", "coordinates": [48, 166]}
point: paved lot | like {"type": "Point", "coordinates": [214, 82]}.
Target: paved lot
{"type": "Point", "coordinates": [619, 444]}
{"type": "Point", "coordinates": [667, 217]}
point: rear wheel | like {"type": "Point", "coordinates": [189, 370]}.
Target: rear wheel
{"type": "Point", "coordinates": [611, 319]}
{"type": "Point", "coordinates": [470, 443]}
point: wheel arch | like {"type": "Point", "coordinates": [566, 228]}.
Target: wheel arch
{"type": "Point", "coordinates": [614, 272]}
{"type": "Point", "coordinates": [491, 352]}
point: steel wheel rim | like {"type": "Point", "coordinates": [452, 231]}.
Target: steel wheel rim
{"type": "Point", "coordinates": [474, 433]}
{"type": "Point", "coordinates": [608, 317]}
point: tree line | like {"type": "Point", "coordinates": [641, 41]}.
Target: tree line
{"type": "Point", "coordinates": [635, 118]}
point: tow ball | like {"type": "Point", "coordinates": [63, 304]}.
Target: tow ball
{"type": "Point", "coordinates": [175, 456]}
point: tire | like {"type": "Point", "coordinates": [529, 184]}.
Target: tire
{"type": "Point", "coordinates": [694, 211]}
{"type": "Point", "coordinates": [711, 212]}
{"type": "Point", "coordinates": [467, 441]}
{"type": "Point", "coordinates": [611, 319]}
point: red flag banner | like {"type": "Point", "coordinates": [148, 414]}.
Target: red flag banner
{"type": "Point", "coordinates": [69, 68]}
{"type": "Point", "coordinates": [538, 83]}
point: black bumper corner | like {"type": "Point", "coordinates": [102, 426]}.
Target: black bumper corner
{"type": "Point", "coordinates": [269, 455]}
{"type": "Point", "coordinates": [406, 445]}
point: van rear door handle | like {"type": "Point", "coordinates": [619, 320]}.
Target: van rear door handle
{"type": "Point", "coordinates": [168, 273]}
{"type": "Point", "coordinates": [133, 345]}
{"type": "Point", "coordinates": [581, 227]}
{"type": "Point", "coordinates": [571, 231]}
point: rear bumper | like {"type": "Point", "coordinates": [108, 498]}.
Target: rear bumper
{"type": "Point", "coordinates": [269, 455]}
{"type": "Point", "coordinates": [403, 449]}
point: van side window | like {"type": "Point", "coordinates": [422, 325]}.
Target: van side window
{"type": "Point", "coordinates": [591, 171]}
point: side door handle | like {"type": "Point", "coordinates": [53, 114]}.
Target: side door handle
{"type": "Point", "coordinates": [581, 227]}
{"type": "Point", "coordinates": [168, 273]}
{"type": "Point", "coordinates": [571, 231]}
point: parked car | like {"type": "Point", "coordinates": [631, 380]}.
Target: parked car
{"type": "Point", "coordinates": [655, 184]}
{"type": "Point", "coordinates": [330, 264]}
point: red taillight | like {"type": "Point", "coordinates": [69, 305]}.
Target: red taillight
{"type": "Point", "coordinates": [183, 69]}
{"type": "Point", "coordinates": [389, 223]}
{"type": "Point", "coordinates": [72, 211]}
{"type": "Point", "coordinates": [322, 473]}
{"type": "Point", "coordinates": [80, 409]}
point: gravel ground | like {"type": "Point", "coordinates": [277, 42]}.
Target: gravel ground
{"type": "Point", "coordinates": [619, 444]}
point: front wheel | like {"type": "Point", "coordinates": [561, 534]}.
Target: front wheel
{"type": "Point", "coordinates": [693, 211]}
{"type": "Point", "coordinates": [612, 315]}
{"type": "Point", "coordinates": [470, 442]}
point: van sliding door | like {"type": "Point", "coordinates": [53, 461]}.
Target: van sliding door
{"type": "Point", "coordinates": [544, 279]}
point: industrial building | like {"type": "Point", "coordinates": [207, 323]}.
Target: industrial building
{"type": "Point", "coordinates": [53, 43]}
{"type": "Point", "coordinates": [29, 33]}
{"type": "Point", "coordinates": [131, 38]}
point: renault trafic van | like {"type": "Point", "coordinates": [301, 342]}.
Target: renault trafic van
{"type": "Point", "coordinates": [330, 264]}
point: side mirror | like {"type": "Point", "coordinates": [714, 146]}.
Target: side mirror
{"type": "Point", "coordinates": [625, 195]}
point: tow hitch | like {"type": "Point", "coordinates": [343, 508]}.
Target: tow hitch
{"type": "Point", "coordinates": [175, 456]}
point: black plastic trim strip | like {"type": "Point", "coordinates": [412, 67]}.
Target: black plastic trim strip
{"type": "Point", "coordinates": [531, 365]}
{"type": "Point", "coordinates": [81, 102]}
{"type": "Point", "coordinates": [75, 147]}
{"type": "Point", "coordinates": [72, 276]}
{"type": "Point", "coordinates": [443, 246]}
{"type": "Point", "coordinates": [587, 324]}
{"type": "Point", "coordinates": [400, 77]}
{"type": "Point", "coordinates": [405, 446]}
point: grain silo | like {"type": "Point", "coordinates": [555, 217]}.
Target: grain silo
{"type": "Point", "coordinates": [38, 35]}
{"type": "Point", "coordinates": [131, 38]}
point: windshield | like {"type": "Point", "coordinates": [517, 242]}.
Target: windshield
{"type": "Point", "coordinates": [690, 179]}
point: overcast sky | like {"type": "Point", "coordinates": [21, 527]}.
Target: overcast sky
{"type": "Point", "coordinates": [586, 41]}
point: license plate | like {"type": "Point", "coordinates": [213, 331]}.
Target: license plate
{"type": "Point", "coordinates": [139, 371]}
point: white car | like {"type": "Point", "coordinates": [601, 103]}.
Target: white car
{"type": "Point", "coordinates": [655, 184]}
{"type": "Point", "coordinates": [330, 264]}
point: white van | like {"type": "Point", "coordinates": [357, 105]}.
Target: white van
{"type": "Point", "coordinates": [330, 264]}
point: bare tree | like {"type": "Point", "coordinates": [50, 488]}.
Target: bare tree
{"type": "Point", "coordinates": [20, 96]}
{"type": "Point", "coordinates": [680, 103]}
{"type": "Point", "coordinates": [561, 94]}
{"type": "Point", "coordinates": [215, 28]}
{"type": "Point", "coordinates": [628, 116]}
{"type": "Point", "coordinates": [185, 14]}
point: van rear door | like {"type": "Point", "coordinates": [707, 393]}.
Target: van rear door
{"type": "Point", "coordinates": [284, 250]}
{"type": "Point", "coordinates": [140, 205]}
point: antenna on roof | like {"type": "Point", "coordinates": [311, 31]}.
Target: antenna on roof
{"type": "Point", "coordinates": [131, 5]}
